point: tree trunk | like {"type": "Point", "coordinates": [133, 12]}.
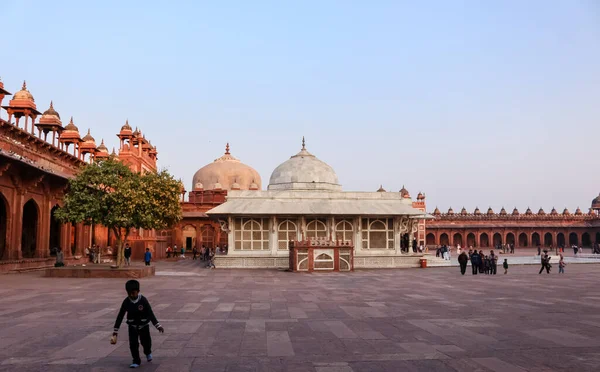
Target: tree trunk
{"type": "Point", "coordinates": [118, 234]}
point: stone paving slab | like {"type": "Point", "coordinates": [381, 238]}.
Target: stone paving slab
{"type": "Point", "coordinates": [261, 320]}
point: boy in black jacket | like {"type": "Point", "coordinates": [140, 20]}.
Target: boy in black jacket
{"type": "Point", "coordinates": [139, 316]}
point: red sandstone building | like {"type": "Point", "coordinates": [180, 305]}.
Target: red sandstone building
{"type": "Point", "coordinates": [38, 155]}
{"type": "Point", "coordinates": [524, 230]}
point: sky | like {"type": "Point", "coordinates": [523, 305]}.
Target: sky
{"type": "Point", "coordinates": [474, 103]}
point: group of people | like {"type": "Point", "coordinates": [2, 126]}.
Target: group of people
{"type": "Point", "coordinates": [174, 251]}
{"type": "Point", "coordinates": [95, 252]}
{"type": "Point", "coordinates": [206, 254]}
{"type": "Point", "coordinates": [480, 263]}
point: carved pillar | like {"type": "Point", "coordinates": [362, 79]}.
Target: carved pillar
{"type": "Point", "coordinates": [14, 247]}
{"type": "Point", "coordinates": [273, 235]}
{"type": "Point", "coordinates": [357, 235]}
{"type": "Point", "coordinates": [397, 235]}
{"type": "Point", "coordinates": [42, 247]}
{"type": "Point", "coordinates": [231, 235]}
{"type": "Point", "coordinates": [302, 228]}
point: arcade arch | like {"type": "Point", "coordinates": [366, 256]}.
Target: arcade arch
{"type": "Point", "coordinates": [29, 229]}
{"type": "Point", "coordinates": [484, 240]}
{"type": "Point", "coordinates": [548, 240]}
{"type": "Point", "coordinates": [535, 239]}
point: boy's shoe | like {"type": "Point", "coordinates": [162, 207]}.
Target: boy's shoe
{"type": "Point", "coordinates": [149, 357]}
{"type": "Point", "coordinates": [134, 365]}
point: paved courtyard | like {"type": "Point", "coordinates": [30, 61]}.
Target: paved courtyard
{"type": "Point", "coordinates": [386, 320]}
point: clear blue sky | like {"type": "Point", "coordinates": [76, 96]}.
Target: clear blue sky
{"type": "Point", "coordinates": [476, 103]}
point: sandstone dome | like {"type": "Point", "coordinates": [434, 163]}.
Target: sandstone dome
{"type": "Point", "coordinates": [226, 171]}
{"type": "Point", "coordinates": [304, 171]}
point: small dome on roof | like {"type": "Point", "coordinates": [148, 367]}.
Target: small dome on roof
{"type": "Point", "coordinates": [126, 127]}
{"type": "Point", "coordinates": [477, 212]}
{"type": "Point", "coordinates": [404, 192]}
{"type": "Point", "coordinates": [71, 127]}
{"type": "Point", "coordinates": [420, 196]}
{"type": "Point", "coordinates": [541, 212]}
{"type": "Point", "coordinates": [51, 112]}
{"type": "Point", "coordinates": [554, 212]}
{"type": "Point", "coordinates": [596, 202]}
{"type": "Point", "coordinates": [515, 212]}
{"type": "Point", "coordinates": [578, 212]}
{"type": "Point", "coordinates": [490, 211]}
{"type": "Point", "coordinates": [102, 147]}
{"type": "Point", "coordinates": [450, 211]}
{"type": "Point", "coordinates": [436, 212]}
{"type": "Point", "coordinates": [198, 186]}
{"type": "Point", "coordinates": [381, 189]}
{"type": "Point", "coordinates": [253, 186]}
{"type": "Point", "coordinates": [503, 212]}
{"type": "Point", "coordinates": [235, 186]}
{"type": "Point", "coordinates": [217, 186]}
{"type": "Point", "coordinates": [566, 212]}
{"type": "Point", "coordinates": [528, 212]}
{"type": "Point", "coordinates": [23, 94]}
{"type": "Point", "coordinates": [88, 138]}
{"type": "Point", "coordinates": [463, 211]}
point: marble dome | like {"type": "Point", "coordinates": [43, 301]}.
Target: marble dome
{"type": "Point", "coordinates": [226, 172]}
{"type": "Point", "coordinates": [304, 171]}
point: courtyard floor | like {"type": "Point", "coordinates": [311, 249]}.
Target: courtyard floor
{"type": "Point", "coordinates": [256, 320]}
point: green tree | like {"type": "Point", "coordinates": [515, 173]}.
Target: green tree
{"type": "Point", "coordinates": [108, 193]}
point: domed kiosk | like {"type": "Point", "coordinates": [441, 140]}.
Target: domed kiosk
{"type": "Point", "coordinates": [304, 205]}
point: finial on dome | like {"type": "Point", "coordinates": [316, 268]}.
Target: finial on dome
{"type": "Point", "coordinates": [89, 131]}
{"type": "Point", "coordinates": [303, 143]}
{"type": "Point", "coordinates": [227, 149]}
{"type": "Point", "coordinates": [51, 105]}
{"type": "Point", "coordinates": [24, 85]}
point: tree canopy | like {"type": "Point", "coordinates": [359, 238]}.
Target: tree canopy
{"type": "Point", "coordinates": [108, 193]}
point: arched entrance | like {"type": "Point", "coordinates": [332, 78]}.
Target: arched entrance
{"type": "Point", "coordinates": [430, 239]}
{"type": "Point", "coordinates": [573, 239]}
{"type": "Point", "coordinates": [560, 239]}
{"type": "Point", "coordinates": [497, 239]}
{"type": "Point", "coordinates": [535, 239]}
{"type": "Point", "coordinates": [471, 242]}
{"type": "Point", "coordinates": [586, 240]}
{"type": "Point", "coordinates": [510, 238]}
{"type": "Point", "coordinates": [457, 239]}
{"type": "Point", "coordinates": [29, 229]}
{"type": "Point", "coordinates": [444, 239]}
{"type": "Point", "coordinates": [523, 240]}
{"type": "Point", "coordinates": [208, 236]}
{"type": "Point", "coordinates": [3, 225]}
{"type": "Point", "coordinates": [189, 237]}
{"type": "Point", "coordinates": [484, 240]}
{"type": "Point", "coordinates": [547, 239]}
{"type": "Point", "coordinates": [54, 232]}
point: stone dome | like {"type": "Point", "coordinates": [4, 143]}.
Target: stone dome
{"type": "Point", "coordinates": [71, 126]}
{"type": "Point", "coordinates": [304, 171]}
{"type": "Point", "coordinates": [88, 138]}
{"type": "Point", "coordinates": [126, 128]}
{"type": "Point", "coordinates": [404, 192]}
{"type": "Point", "coordinates": [225, 172]}
{"type": "Point", "coordinates": [381, 189]}
{"type": "Point", "coordinates": [102, 147]}
{"type": "Point", "coordinates": [23, 94]}
{"type": "Point", "coordinates": [596, 202]}
{"type": "Point", "coordinates": [51, 112]}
